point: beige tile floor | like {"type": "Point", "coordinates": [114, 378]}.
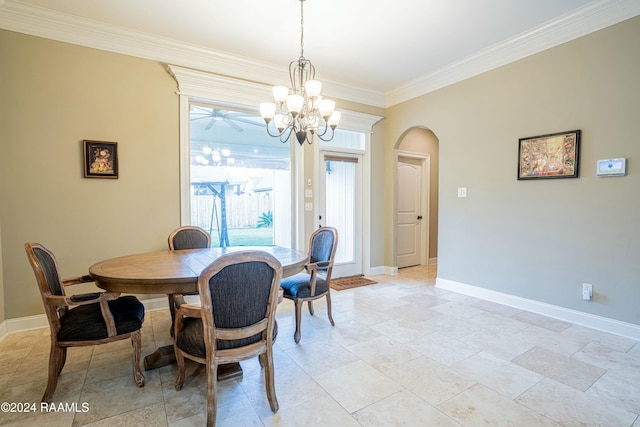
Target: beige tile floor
{"type": "Point", "coordinates": [402, 353]}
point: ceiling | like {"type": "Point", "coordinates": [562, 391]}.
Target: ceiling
{"type": "Point", "coordinates": [378, 52]}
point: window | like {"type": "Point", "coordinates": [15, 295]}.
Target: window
{"type": "Point", "coordinates": [240, 178]}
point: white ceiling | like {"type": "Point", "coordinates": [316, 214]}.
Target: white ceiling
{"type": "Point", "coordinates": [375, 51]}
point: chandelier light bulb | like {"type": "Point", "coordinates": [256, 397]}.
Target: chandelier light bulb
{"type": "Point", "coordinates": [278, 120]}
{"type": "Point", "coordinates": [326, 107]}
{"type": "Point", "coordinates": [312, 88]}
{"type": "Point", "coordinates": [267, 110]}
{"type": "Point", "coordinates": [295, 103]}
{"type": "Point", "coordinates": [201, 160]}
{"type": "Point", "coordinates": [334, 119]}
{"type": "Point", "coordinates": [280, 93]}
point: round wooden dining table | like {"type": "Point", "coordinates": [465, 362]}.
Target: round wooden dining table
{"type": "Point", "coordinates": [175, 272]}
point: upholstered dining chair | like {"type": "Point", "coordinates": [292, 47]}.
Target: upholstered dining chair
{"type": "Point", "coordinates": [82, 319]}
{"type": "Point", "coordinates": [189, 237]}
{"type": "Point", "coordinates": [234, 322]}
{"type": "Point", "coordinates": [186, 237]}
{"type": "Point", "coordinates": [313, 283]}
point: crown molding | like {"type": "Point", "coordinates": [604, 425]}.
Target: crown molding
{"type": "Point", "coordinates": [588, 19]}
{"type": "Point", "coordinates": [234, 92]}
{"type": "Point", "coordinates": [40, 22]}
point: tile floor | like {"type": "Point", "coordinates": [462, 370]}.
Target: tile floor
{"type": "Point", "coordinates": [402, 353]}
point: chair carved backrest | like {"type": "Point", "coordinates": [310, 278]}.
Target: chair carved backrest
{"type": "Point", "coordinates": [238, 291]}
{"type": "Point", "coordinates": [45, 267]}
{"type": "Point", "coordinates": [189, 237]}
{"type": "Point", "coordinates": [322, 248]}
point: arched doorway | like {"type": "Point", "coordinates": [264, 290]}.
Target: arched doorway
{"type": "Point", "coordinates": [417, 198]}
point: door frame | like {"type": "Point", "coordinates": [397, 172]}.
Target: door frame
{"type": "Point", "coordinates": [425, 160]}
{"type": "Point", "coordinates": [361, 214]}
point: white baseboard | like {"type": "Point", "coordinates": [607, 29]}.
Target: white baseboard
{"type": "Point", "coordinates": [3, 330]}
{"type": "Point", "coordinates": [628, 330]}
{"type": "Point", "coordinates": [28, 323]}
{"type": "Point", "coordinates": [384, 269]}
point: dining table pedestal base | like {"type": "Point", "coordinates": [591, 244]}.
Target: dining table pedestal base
{"type": "Point", "coordinates": [164, 356]}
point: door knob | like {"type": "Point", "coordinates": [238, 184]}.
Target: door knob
{"type": "Point", "coordinates": [419, 216]}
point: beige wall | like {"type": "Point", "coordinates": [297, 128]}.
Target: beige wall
{"type": "Point", "coordinates": [535, 239]}
{"type": "Point", "coordinates": [54, 95]}
{"type": "Point", "coordinates": [2, 316]}
{"type": "Point", "coordinates": [540, 239]}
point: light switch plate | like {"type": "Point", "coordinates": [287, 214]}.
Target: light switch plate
{"type": "Point", "coordinates": [308, 206]}
{"type": "Point", "coordinates": [308, 193]}
{"type": "Point", "coordinates": [462, 191]}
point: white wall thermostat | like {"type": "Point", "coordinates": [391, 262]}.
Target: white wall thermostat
{"type": "Point", "coordinates": [612, 167]}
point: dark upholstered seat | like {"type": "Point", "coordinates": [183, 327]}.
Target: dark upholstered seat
{"type": "Point", "coordinates": [97, 318]}
{"type": "Point", "coordinates": [86, 323]}
{"type": "Point", "coordinates": [314, 282]}
{"type": "Point", "coordinates": [235, 320]}
{"type": "Point", "coordinates": [297, 286]}
{"type": "Point", "coordinates": [192, 338]}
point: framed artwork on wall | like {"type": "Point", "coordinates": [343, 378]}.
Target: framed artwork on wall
{"type": "Point", "coordinates": [549, 156]}
{"type": "Point", "coordinates": [100, 159]}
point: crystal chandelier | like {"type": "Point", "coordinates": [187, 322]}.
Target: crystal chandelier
{"type": "Point", "coordinates": [300, 110]}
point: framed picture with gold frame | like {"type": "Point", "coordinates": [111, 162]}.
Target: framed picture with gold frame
{"type": "Point", "coordinates": [551, 156]}
{"type": "Point", "coordinates": [100, 159]}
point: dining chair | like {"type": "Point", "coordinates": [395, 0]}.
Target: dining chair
{"type": "Point", "coordinates": [313, 283]}
{"type": "Point", "coordinates": [82, 319]}
{"type": "Point", "coordinates": [186, 237]}
{"type": "Point", "coordinates": [235, 320]}
{"type": "Point", "coordinates": [189, 237]}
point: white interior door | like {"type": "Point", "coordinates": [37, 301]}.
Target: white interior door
{"type": "Point", "coordinates": [340, 206]}
{"type": "Point", "coordinates": [409, 226]}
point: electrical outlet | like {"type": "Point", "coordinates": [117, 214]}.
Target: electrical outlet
{"type": "Point", "coordinates": [587, 291]}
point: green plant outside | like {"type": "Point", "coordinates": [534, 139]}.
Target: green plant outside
{"type": "Point", "coordinates": [265, 220]}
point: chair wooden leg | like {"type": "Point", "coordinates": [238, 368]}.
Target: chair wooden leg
{"type": "Point", "coordinates": [56, 362]}
{"type": "Point", "coordinates": [311, 307]}
{"type": "Point", "coordinates": [180, 362]}
{"type": "Point", "coordinates": [329, 308]}
{"type": "Point", "coordinates": [172, 310]}
{"type": "Point", "coordinates": [136, 343]}
{"type": "Point", "coordinates": [212, 384]}
{"type": "Point", "coordinates": [62, 360]}
{"type": "Point", "coordinates": [296, 335]}
{"type": "Point", "coordinates": [269, 380]}
{"type": "Point", "coordinates": [173, 300]}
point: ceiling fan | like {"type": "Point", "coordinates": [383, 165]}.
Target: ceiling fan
{"type": "Point", "coordinates": [231, 118]}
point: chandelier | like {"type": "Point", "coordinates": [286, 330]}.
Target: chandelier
{"type": "Point", "coordinates": [300, 109]}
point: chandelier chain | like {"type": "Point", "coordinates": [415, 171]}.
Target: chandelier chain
{"type": "Point", "coordinates": [301, 28]}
